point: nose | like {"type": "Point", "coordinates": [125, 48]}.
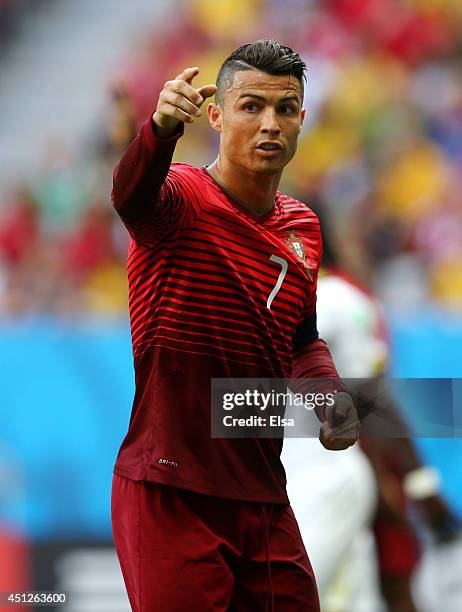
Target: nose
{"type": "Point", "coordinates": [269, 123]}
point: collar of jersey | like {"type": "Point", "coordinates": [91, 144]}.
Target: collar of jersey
{"type": "Point", "coordinates": [242, 206]}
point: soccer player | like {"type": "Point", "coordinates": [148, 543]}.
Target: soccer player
{"type": "Point", "coordinates": [222, 284]}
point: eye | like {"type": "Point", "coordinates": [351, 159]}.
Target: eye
{"type": "Point", "coordinates": [251, 107]}
{"type": "Point", "coordinates": [287, 109]}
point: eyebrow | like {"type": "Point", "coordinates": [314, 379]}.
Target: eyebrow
{"type": "Point", "coordinates": [256, 96]}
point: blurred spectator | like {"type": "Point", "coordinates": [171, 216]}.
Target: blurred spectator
{"type": "Point", "coordinates": [19, 226]}
{"type": "Point", "coordinates": [59, 189]}
{"type": "Point", "coordinates": [121, 122]}
{"type": "Point", "coordinates": [94, 262]}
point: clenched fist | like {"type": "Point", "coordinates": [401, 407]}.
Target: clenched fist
{"type": "Point", "coordinates": [341, 427]}
{"type": "Point", "coordinates": [179, 102]}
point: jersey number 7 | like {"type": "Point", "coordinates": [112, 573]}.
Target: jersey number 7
{"type": "Point", "coordinates": [282, 274]}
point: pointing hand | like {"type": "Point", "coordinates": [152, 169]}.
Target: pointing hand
{"type": "Point", "coordinates": [179, 102]}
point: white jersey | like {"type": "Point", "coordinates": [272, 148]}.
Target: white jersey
{"type": "Point", "coordinates": [350, 321]}
{"type": "Point", "coordinates": [333, 494]}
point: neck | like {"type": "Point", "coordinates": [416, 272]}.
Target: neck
{"type": "Point", "coordinates": [255, 191]}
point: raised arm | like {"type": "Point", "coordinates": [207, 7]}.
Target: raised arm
{"type": "Point", "coordinates": [147, 202]}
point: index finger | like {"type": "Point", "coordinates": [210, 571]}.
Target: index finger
{"type": "Point", "coordinates": [188, 74]}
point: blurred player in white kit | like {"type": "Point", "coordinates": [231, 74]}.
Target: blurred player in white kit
{"type": "Point", "coordinates": [335, 517]}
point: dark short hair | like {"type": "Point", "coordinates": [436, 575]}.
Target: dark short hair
{"type": "Point", "coordinates": [266, 55]}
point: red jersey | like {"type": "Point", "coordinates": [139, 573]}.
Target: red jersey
{"type": "Point", "coordinates": [215, 291]}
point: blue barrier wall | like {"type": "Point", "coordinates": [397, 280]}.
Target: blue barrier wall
{"type": "Point", "coordinates": [430, 345]}
{"type": "Point", "coordinates": [66, 393]}
{"type": "Point", "coordinates": [66, 399]}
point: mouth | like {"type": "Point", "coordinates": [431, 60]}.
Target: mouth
{"type": "Point", "coordinates": [268, 149]}
{"type": "Point", "coordinates": [269, 145]}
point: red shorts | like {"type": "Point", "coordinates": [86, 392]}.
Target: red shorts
{"type": "Point", "coordinates": [182, 551]}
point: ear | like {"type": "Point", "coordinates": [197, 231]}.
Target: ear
{"type": "Point", "coordinates": [215, 115]}
{"type": "Point", "coordinates": [303, 115]}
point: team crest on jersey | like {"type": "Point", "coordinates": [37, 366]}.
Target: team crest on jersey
{"type": "Point", "coordinates": [296, 245]}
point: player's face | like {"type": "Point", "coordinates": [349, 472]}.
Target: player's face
{"type": "Point", "coordinates": [260, 121]}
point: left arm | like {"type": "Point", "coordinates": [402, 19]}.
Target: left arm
{"type": "Point", "coordinates": [340, 423]}
{"type": "Point", "coordinates": [312, 360]}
